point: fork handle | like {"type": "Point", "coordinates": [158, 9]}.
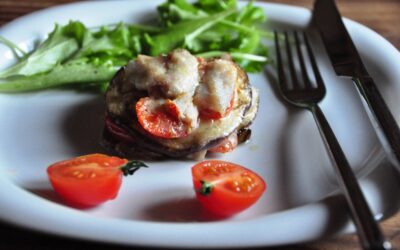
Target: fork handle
{"type": "Point", "coordinates": [368, 230]}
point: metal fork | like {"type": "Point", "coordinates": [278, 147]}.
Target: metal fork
{"type": "Point", "coordinates": [308, 96]}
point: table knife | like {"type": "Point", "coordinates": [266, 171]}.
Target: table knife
{"type": "Point", "coordinates": [347, 62]}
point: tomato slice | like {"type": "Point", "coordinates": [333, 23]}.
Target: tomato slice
{"type": "Point", "coordinates": [89, 180]}
{"type": "Point", "coordinates": [160, 121]}
{"type": "Point", "coordinates": [227, 145]}
{"type": "Point", "coordinates": [210, 114]}
{"type": "Point", "coordinates": [225, 188]}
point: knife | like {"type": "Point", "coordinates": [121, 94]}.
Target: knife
{"type": "Point", "coordinates": [347, 62]}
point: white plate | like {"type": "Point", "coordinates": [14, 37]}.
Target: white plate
{"type": "Point", "coordinates": [156, 207]}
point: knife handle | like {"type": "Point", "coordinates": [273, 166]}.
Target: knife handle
{"type": "Point", "coordinates": [371, 237]}
{"type": "Point", "coordinates": [387, 130]}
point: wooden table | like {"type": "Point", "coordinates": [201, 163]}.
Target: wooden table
{"type": "Point", "coordinates": [383, 16]}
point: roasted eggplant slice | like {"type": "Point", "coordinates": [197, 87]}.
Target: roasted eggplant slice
{"type": "Point", "coordinates": [177, 105]}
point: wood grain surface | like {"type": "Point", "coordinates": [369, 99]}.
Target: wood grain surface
{"type": "Point", "coordinates": [383, 16]}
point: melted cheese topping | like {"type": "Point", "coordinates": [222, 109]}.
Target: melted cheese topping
{"type": "Point", "coordinates": [188, 112]}
{"type": "Point", "coordinates": [192, 85]}
{"type": "Point", "coordinates": [167, 77]}
{"type": "Point", "coordinates": [218, 85]}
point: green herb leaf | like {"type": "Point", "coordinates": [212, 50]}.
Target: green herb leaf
{"type": "Point", "coordinates": [58, 47]}
{"type": "Point", "coordinates": [174, 11]}
{"type": "Point", "coordinates": [183, 33]}
{"type": "Point", "coordinates": [16, 50]}
{"type": "Point", "coordinates": [73, 72]}
{"type": "Point", "coordinates": [74, 54]}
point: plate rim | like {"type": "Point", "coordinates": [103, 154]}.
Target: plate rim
{"type": "Point", "coordinates": [9, 186]}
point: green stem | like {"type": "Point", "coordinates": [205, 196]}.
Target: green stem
{"type": "Point", "coordinates": [237, 26]}
{"type": "Point", "coordinates": [206, 188]}
{"type": "Point", "coordinates": [235, 55]}
{"type": "Point", "coordinates": [143, 27]}
{"type": "Point", "coordinates": [15, 48]}
{"type": "Point", "coordinates": [132, 166]}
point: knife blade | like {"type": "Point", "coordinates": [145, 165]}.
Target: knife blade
{"type": "Point", "coordinates": [347, 62]}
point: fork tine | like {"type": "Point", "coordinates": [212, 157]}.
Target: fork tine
{"type": "Point", "coordinates": [306, 79]}
{"type": "Point", "coordinates": [318, 78]}
{"type": "Point", "coordinates": [281, 74]}
{"type": "Point", "coordinates": [293, 76]}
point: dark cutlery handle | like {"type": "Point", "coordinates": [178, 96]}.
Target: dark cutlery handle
{"type": "Point", "coordinates": [388, 130]}
{"type": "Point", "coordinates": [369, 232]}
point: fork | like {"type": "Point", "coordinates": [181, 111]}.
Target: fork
{"type": "Point", "coordinates": [308, 95]}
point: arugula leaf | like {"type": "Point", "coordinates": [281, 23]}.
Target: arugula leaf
{"type": "Point", "coordinates": [58, 47]}
{"type": "Point", "coordinates": [17, 51]}
{"type": "Point", "coordinates": [74, 54]}
{"type": "Point", "coordinates": [251, 15]}
{"type": "Point", "coordinates": [213, 6]}
{"type": "Point", "coordinates": [173, 11]}
{"type": "Point", "coordinates": [73, 72]}
{"type": "Point", "coordinates": [182, 34]}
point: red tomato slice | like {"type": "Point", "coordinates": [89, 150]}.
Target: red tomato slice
{"type": "Point", "coordinates": [161, 121]}
{"type": "Point", "coordinates": [210, 114]}
{"type": "Point", "coordinates": [227, 145]}
{"type": "Point", "coordinates": [89, 180]}
{"type": "Point", "coordinates": [225, 188]}
{"type": "Point", "coordinates": [171, 108]}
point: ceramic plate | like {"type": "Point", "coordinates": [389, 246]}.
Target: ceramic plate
{"type": "Point", "coordinates": [156, 207]}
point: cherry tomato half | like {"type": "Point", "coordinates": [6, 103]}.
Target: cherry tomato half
{"type": "Point", "coordinates": [160, 121]}
{"type": "Point", "coordinates": [89, 180]}
{"type": "Point", "coordinates": [225, 188]}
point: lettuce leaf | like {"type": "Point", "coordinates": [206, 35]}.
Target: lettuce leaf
{"type": "Point", "coordinates": [73, 72]}
{"type": "Point", "coordinates": [88, 57]}
{"type": "Point", "coordinates": [57, 48]}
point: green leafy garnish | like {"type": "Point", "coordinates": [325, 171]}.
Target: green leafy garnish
{"type": "Point", "coordinates": [76, 55]}
{"type": "Point", "coordinates": [15, 49]}
{"type": "Point", "coordinates": [73, 72]}
{"type": "Point", "coordinates": [183, 34]}
{"type": "Point", "coordinates": [56, 49]}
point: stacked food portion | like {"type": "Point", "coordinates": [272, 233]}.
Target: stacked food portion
{"type": "Point", "coordinates": [178, 105]}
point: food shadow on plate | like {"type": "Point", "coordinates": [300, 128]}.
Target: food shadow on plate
{"type": "Point", "coordinates": [380, 187]}
{"type": "Point", "coordinates": [43, 190]}
{"type": "Point", "coordinates": [382, 184]}
{"type": "Point", "coordinates": [83, 126]}
{"type": "Point", "coordinates": [50, 195]}
{"type": "Point", "coordinates": [178, 210]}
{"type": "Point", "coordinates": [47, 194]}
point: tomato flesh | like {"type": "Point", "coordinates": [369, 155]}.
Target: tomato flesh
{"type": "Point", "coordinates": [210, 114]}
{"type": "Point", "coordinates": [160, 121]}
{"type": "Point", "coordinates": [87, 180]}
{"type": "Point", "coordinates": [225, 188]}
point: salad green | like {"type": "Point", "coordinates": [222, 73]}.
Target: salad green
{"type": "Point", "coordinates": [74, 54]}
